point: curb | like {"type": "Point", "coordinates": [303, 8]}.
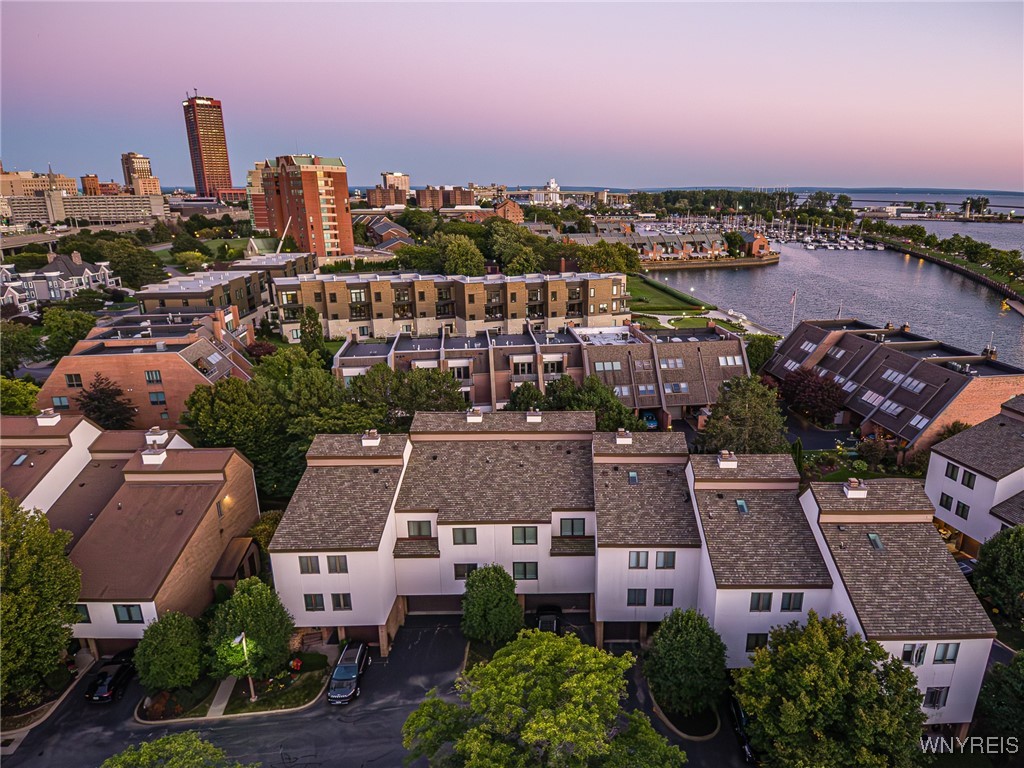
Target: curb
{"type": "Point", "coordinates": [676, 731]}
{"type": "Point", "coordinates": [52, 705]}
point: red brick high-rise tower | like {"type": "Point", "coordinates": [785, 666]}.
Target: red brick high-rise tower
{"type": "Point", "coordinates": [204, 123]}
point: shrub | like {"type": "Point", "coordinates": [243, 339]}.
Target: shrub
{"type": "Point", "coordinates": [859, 466]}
{"type": "Point", "coordinates": [873, 450]}
{"type": "Point", "coordinates": [490, 609]}
{"type": "Point", "coordinates": [263, 530]}
{"type": "Point", "coordinates": [312, 662]}
{"type": "Point", "coordinates": [57, 678]}
{"type": "Point", "coordinates": [686, 663]}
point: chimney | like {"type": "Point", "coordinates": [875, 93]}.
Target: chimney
{"type": "Point", "coordinates": [76, 257]}
{"type": "Point", "coordinates": [727, 460]}
{"type": "Point", "coordinates": [154, 455]}
{"type": "Point", "coordinates": [370, 439]}
{"type": "Point", "coordinates": [855, 488]}
{"type": "Point", "coordinates": [50, 257]}
{"type": "Point", "coordinates": [474, 416]}
{"type": "Point", "coordinates": [48, 418]}
{"type": "Point", "coordinates": [622, 437]}
{"type": "Point", "coordinates": [156, 437]}
{"type": "Point", "coordinates": [905, 327]}
{"type": "Point", "coordinates": [533, 416]}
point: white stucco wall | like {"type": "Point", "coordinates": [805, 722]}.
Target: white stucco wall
{"type": "Point", "coordinates": [66, 469]}
{"type": "Point", "coordinates": [103, 625]}
{"type": "Point", "coordinates": [979, 524]}
{"type": "Point", "coordinates": [615, 578]}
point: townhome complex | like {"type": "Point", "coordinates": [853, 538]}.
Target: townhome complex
{"type": "Point", "coordinates": [153, 519]}
{"type": "Point", "coordinates": [898, 384]}
{"type": "Point", "coordinates": [976, 479]}
{"type": "Point", "coordinates": [623, 527]}
{"type": "Point", "coordinates": [62, 278]}
{"type": "Point", "coordinates": [246, 289]}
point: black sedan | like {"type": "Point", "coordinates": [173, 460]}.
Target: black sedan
{"type": "Point", "coordinates": [110, 682]}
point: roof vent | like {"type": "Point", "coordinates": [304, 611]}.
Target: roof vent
{"type": "Point", "coordinates": [156, 436]}
{"type": "Point", "coordinates": [370, 439]}
{"type": "Point", "coordinates": [48, 418]}
{"type": "Point", "coordinates": [727, 460]}
{"type": "Point", "coordinates": [474, 416]}
{"type": "Point", "coordinates": [533, 416]}
{"type": "Point", "coordinates": [855, 488]}
{"type": "Point", "coordinates": [137, 351]}
{"type": "Point", "coordinates": [622, 437]}
{"type": "Point", "coordinates": [154, 455]}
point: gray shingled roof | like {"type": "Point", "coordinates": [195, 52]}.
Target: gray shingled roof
{"type": "Point", "coordinates": [911, 588]}
{"type": "Point", "coordinates": [750, 467]}
{"type": "Point", "coordinates": [497, 481]}
{"type": "Point", "coordinates": [1011, 510]}
{"type": "Point", "coordinates": [331, 446]}
{"type": "Point", "coordinates": [504, 421]}
{"type": "Point", "coordinates": [654, 512]}
{"type": "Point", "coordinates": [1015, 404]}
{"type": "Point", "coordinates": [884, 495]}
{"type": "Point", "coordinates": [416, 548]}
{"type": "Point", "coordinates": [645, 443]}
{"type": "Point", "coordinates": [572, 546]}
{"type": "Point", "coordinates": [994, 448]}
{"type": "Point", "coordinates": [770, 546]}
{"type": "Point", "coordinates": [338, 508]}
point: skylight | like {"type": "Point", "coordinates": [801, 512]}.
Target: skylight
{"type": "Point", "coordinates": [20, 460]}
{"type": "Point", "coordinates": [741, 505]}
{"type": "Point", "coordinates": [634, 478]}
{"type": "Point", "coordinates": [876, 541]}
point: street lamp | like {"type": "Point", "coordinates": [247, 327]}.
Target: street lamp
{"type": "Point", "coordinates": [245, 650]}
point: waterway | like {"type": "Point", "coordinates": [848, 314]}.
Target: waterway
{"type": "Point", "coordinates": [873, 286]}
{"type": "Point", "coordinates": [1006, 237]}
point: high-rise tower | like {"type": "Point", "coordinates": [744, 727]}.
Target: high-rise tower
{"type": "Point", "coordinates": [204, 123]}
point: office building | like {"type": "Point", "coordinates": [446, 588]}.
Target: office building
{"type": "Point", "coordinates": [29, 183]}
{"type": "Point", "coordinates": [207, 144]}
{"type": "Point", "coordinates": [397, 180]}
{"type": "Point", "coordinates": [138, 174]}
{"type": "Point", "coordinates": [254, 196]}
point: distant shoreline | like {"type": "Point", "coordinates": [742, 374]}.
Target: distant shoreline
{"type": "Point", "coordinates": [763, 261]}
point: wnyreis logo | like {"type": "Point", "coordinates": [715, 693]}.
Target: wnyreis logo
{"type": "Point", "coordinates": [973, 745]}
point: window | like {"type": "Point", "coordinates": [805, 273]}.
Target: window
{"type": "Point", "coordinates": [671, 362]}
{"type": "Point", "coordinates": [741, 507]}
{"type": "Point", "coordinates": [128, 614]}
{"type": "Point", "coordinates": [872, 398]}
{"type": "Point", "coordinates": [663, 597]}
{"type": "Point", "coordinates": [636, 597]}
{"type": "Point", "coordinates": [913, 385]}
{"type": "Point", "coordinates": [621, 390]}
{"type": "Point", "coordinates": [760, 602]}
{"type": "Point", "coordinates": [296, 333]}
{"type": "Point", "coordinates": [524, 571]}
{"type": "Point", "coordinates": [522, 369]}
{"type": "Point", "coordinates": [946, 501]}
{"type": "Point", "coordinates": [604, 367]}
{"type": "Point", "coordinates": [962, 510]}
{"type": "Point", "coordinates": [472, 298]}
{"type": "Point", "coordinates": [337, 563]}
{"type": "Point", "coordinates": [73, 380]}
{"type": "Point", "coordinates": [919, 422]}
{"type": "Point", "coordinates": [332, 298]}
{"type": "Point", "coordinates": [808, 346]}
{"type": "Point", "coordinates": [935, 698]}
{"type": "Point", "coordinates": [574, 526]}
{"type": "Point", "coordinates": [462, 570]}
{"type": "Point", "coordinates": [83, 614]}
{"type": "Point", "coordinates": [894, 376]}
{"type": "Point", "coordinates": [645, 390]}
{"type": "Point", "coordinates": [792, 601]}
{"type": "Point", "coordinates": [946, 653]}
{"type": "Point", "coordinates": [592, 293]}
{"type": "Point", "coordinates": [642, 365]}
{"type": "Point", "coordinates": [791, 365]}
{"type": "Point", "coordinates": [756, 640]}
{"type": "Point", "coordinates": [677, 388]}
{"type": "Point", "coordinates": [376, 296]}
{"type": "Point", "coordinates": [60, 404]}
{"type": "Point", "coordinates": [524, 534]}
{"type": "Point", "coordinates": [463, 535]}
{"type": "Point", "coordinates": [309, 564]}
{"type": "Point", "coordinates": [637, 559]}
{"type": "Point", "coordinates": [914, 653]}
{"type": "Point", "coordinates": [666, 560]}
{"type": "Point", "coordinates": [893, 409]}
{"type": "Point", "coordinates": [341, 601]}
{"type": "Point", "coordinates": [952, 470]}
{"type": "Point", "coordinates": [314, 602]}
{"type": "Point", "coordinates": [20, 460]}
{"type": "Point", "coordinates": [157, 398]}
{"type": "Point", "coordinates": [730, 360]}
{"type": "Point", "coordinates": [634, 478]}
{"type": "Point", "coordinates": [875, 540]}
{"type": "Point", "coordinates": [419, 529]}
{"type": "Point", "coordinates": [357, 296]}
{"type": "Point", "coordinates": [836, 352]}
{"type": "Point", "coordinates": [153, 377]}
{"type": "Point", "coordinates": [968, 479]}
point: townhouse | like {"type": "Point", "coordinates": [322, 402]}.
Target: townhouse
{"type": "Point", "coordinates": [62, 278]}
{"type": "Point", "coordinates": [899, 385]}
{"type": "Point", "coordinates": [976, 479]}
{"type": "Point", "coordinates": [247, 289]}
{"type": "Point", "coordinates": [154, 521]}
{"type": "Point", "coordinates": [659, 246]}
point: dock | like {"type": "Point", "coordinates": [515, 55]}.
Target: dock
{"type": "Point", "coordinates": [1018, 306]}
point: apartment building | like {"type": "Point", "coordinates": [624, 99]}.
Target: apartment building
{"type": "Point", "coordinates": [899, 384]}
{"type": "Point", "coordinates": [247, 289]}
{"type": "Point", "coordinates": [62, 278]}
{"type": "Point", "coordinates": [396, 180]}
{"type": "Point", "coordinates": [382, 305]}
{"type": "Point", "coordinates": [452, 197]}
{"type": "Point", "coordinates": [379, 196]}
{"type": "Point", "coordinates": [152, 518]}
{"type": "Point", "coordinates": [158, 359]}
{"type": "Point", "coordinates": [510, 210]}
{"type": "Point", "coordinates": [976, 479]}
{"type": "Point", "coordinates": [258, 217]}
{"type": "Point", "coordinates": [430, 198]}
{"type": "Point", "coordinates": [661, 246]}
{"type": "Point", "coordinates": [54, 207]}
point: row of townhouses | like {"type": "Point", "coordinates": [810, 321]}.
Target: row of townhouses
{"type": "Point", "coordinates": [62, 278]}
{"type": "Point", "coordinates": [623, 528]}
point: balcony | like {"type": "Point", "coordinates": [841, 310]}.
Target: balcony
{"type": "Point", "coordinates": [519, 378]}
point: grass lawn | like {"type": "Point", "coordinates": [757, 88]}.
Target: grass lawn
{"type": "Point", "coordinates": [305, 688]}
{"type": "Point", "coordinates": [646, 321]}
{"type": "Point", "coordinates": [655, 298]}
{"type": "Point", "coordinates": [702, 322]}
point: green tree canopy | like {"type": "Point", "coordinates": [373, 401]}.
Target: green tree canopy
{"type": "Point", "coordinates": [564, 394]}
{"type": "Point", "coordinates": [1001, 701]}
{"type": "Point", "coordinates": [64, 328]}
{"type": "Point", "coordinates": [543, 700]}
{"type": "Point", "coordinates": [104, 402]}
{"type": "Point", "coordinates": [28, 260]}
{"type": "Point", "coordinates": [18, 397]}
{"type": "Point", "coordinates": [186, 243]}
{"type": "Point", "coordinates": [953, 428]}
{"type": "Point", "coordinates": [170, 653]}
{"type": "Point", "coordinates": [418, 222]}
{"type": "Point", "coordinates": [397, 395]}
{"type": "Point", "coordinates": [685, 664]}
{"type": "Point", "coordinates": [311, 335]}
{"type": "Point", "coordinates": [459, 255]}
{"type": "Point", "coordinates": [256, 610]}
{"type": "Point", "coordinates": [18, 344]}
{"type": "Point", "coordinates": [746, 419]}
{"type": "Point", "coordinates": [38, 589]}
{"type": "Point", "coordinates": [820, 398]}
{"type": "Point", "coordinates": [191, 261]}
{"type": "Point", "coordinates": [734, 240]}
{"type": "Point", "coordinates": [817, 696]}
{"type": "Point", "coordinates": [999, 575]}
{"type": "Point", "coordinates": [134, 265]}
{"type": "Point", "coordinates": [760, 348]}
{"type": "Point", "coordinates": [490, 610]}
{"type": "Point", "coordinates": [178, 750]}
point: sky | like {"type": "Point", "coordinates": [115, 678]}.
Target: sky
{"type": "Point", "coordinates": [633, 95]}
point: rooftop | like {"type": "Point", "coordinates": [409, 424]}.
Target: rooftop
{"type": "Point", "coordinates": [416, 343]}
{"type": "Point", "coordinates": [645, 443]}
{"type": "Point", "coordinates": [360, 349]}
{"type": "Point", "coordinates": [337, 446]}
{"type": "Point", "coordinates": [504, 422]}
{"type": "Point", "coordinates": [1010, 510]}
{"type": "Point", "coordinates": [78, 507]}
{"type": "Point", "coordinates": [643, 504]}
{"type": "Point", "coordinates": [195, 283]}
{"type": "Point", "coordinates": [887, 495]}
{"type": "Point", "coordinates": [750, 468]}
{"type": "Point", "coordinates": [21, 469]}
{"type": "Point", "coordinates": [994, 448]}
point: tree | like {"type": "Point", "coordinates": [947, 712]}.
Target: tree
{"type": "Point", "coordinates": [543, 700]}
{"type": "Point", "coordinates": [1001, 701]}
{"type": "Point", "coordinates": [953, 428]}
{"type": "Point", "coordinates": [735, 242]}
{"type": "Point", "coordinates": [17, 343]}
{"type": "Point", "coordinates": [418, 222]}
{"type": "Point", "coordinates": [38, 589]}
{"type": "Point", "coordinates": [818, 397]}
{"type": "Point", "coordinates": [844, 202]}
{"type": "Point", "coordinates": [525, 397]}
{"type": "Point", "coordinates": [746, 419]}
{"type": "Point", "coordinates": [170, 653]}
{"type": "Point", "coordinates": [564, 394]}
{"type": "Point", "coordinates": [490, 609]}
{"type": "Point", "coordinates": [685, 665]}
{"type": "Point", "coordinates": [191, 261]}
{"type": "Point", "coordinates": [186, 243]}
{"type": "Point", "coordinates": [760, 348]}
{"type": "Point", "coordinates": [288, 244]}
{"type": "Point", "coordinates": [999, 575]}
{"type": "Point", "coordinates": [18, 397]}
{"type": "Point", "coordinates": [134, 265]}
{"type": "Point", "coordinates": [260, 349]}
{"type": "Point", "coordinates": [64, 328]}
{"type": "Point", "coordinates": [817, 696]}
{"type": "Point", "coordinates": [178, 750]}
{"type": "Point", "coordinates": [103, 401]}
{"type": "Point", "coordinates": [459, 255]}
{"type": "Point", "coordinates": [311, 333]}
{"type": "Point", "coordinates": [255, 609]}
{"type": "Point", "coordinates": [28, 260]}
{"type": "Point", "coordinates": [427, 389]}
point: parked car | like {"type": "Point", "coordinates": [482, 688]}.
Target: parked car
{"type": "Point", "coordinates": [549, 619]}
{"type": "Point", "coordinates": [740, 722]}
{"type": "Point", "coordinates": [348, 673]}
{"type": "Point", "coordinates": [650, 420]}
{"type": "Point", "coordinates": [110, 682]}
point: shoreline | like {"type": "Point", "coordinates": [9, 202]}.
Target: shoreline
{"type": "Point", "coordinates": [746, 261]}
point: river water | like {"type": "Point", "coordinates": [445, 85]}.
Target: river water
{"type": "Point", "coordinates": [1006, 237]}
{"type": "Point", "coordinates": [873, 286]}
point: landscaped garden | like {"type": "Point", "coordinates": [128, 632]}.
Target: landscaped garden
{"type": "Point", "coordinates": [295, 685]}
{"type": "Point", "coordinates": [647, 295]}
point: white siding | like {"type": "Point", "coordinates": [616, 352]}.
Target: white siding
{"type": "Point", "coordinates": [979, 524]}
{"type": "Point", "coordinates": [615, 578]}
{"type": "Point", "coordinates": [103, 624]}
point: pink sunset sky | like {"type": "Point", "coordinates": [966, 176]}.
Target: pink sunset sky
{"type": "Point", "coordinates": [613, 94]}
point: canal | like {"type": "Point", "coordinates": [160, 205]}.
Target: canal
{"type": "Point", "coordinates": [874, 286]}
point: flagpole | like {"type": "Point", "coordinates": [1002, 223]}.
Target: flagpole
{"type": "Point", "coordinates": [792, 321]}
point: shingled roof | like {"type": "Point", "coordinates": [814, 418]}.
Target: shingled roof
{"type": "Point", "coordinates": [653, 511]}
{"type": "Point", "coordinates": [903, 496]}
{"type": "Point", "coordinates": [1010, 510]}
{"type": "Point", "coordinates": [504, 421]}
{"type": "Point", "coordinates": [642, 443]}
{"type": "Point", "coordinates": [345, 446]}
{"type": "Point", "coordinates": [994, 448]}
{"type": "Point", "coordinates": [777, 467]}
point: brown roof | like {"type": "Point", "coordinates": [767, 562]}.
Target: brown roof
{"type": "Point", "coordinates": [129, 551]}
{"type": "Point", "coordinates": [416, 548]}
{"type": "Point", "coordinates": [497, 481]}
{"type": "Point", "coordinates": [84, 500]}
{"type": "Point", "coordinates": [994, 448]}
{"type": "Point", "coordinates": [504, 421]}
{"type": "Point", "coordinates": [772, 545]}
{"type": "Point", "coordinates": [338, 508]}
{"type": "Point", "coordinates": [656, 511]}
{"type": "Point", "coordinates": [884, 495]}
{"type": "Point", "coordinates": [19, 480]}
{"type": "Point", "coordinates": [750, 467]}
{"type": "Point", "coordinates": [234, 553]}
{"type": "Point", "coordinates": [193, 460]}
{"type": "Point", "coordinates": [572, 546]}
{"type": "Point", "coordinates": [330, 446]}
{"type": "Point", "coordinates": [1011, 510]}
{"type": "Point", "coordinates": [911, 588]}
{"type": "Point", "coordinates": [121, 440]}
{"type": "Point", "coordinates": [646, 443]}
{"type": "Point", "coordinates": [1015, 404]}
{"type": "Point", "coordinates": [27, 426]}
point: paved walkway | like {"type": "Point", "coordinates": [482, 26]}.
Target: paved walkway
{"type": "Point", "coordinates": [220, 701]}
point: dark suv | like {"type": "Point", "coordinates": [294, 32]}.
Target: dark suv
{"type": "Point", "coordinates": [347, 674]}
{"type": "Point", "coordinates": [109, 683]}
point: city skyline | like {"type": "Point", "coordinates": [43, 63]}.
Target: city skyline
{"type": "Point", "coordinates": [598, 95]}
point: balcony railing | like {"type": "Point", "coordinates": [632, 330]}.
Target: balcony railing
{"type": "Point", "coordinates": [518, 378]}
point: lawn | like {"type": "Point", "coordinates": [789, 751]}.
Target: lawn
{"type": "Point", "coordinates": [649, 296]}
{"type": "Point", "coordinates": [304, 689]}
{"type": "Point", "coordinates": [648, 322]}
{"type": "Point", "coordinates": [702, 322]}
{"type": "Point", "coordinates": [169, 259]}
